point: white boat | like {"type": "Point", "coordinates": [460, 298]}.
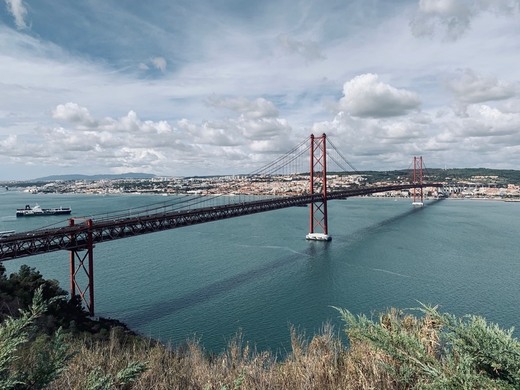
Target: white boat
{"type": "Point", "coordinates": [318, 237]}
{"type": "Point", "coordinates": [36, 210]}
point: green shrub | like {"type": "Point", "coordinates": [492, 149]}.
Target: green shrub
{"type": "Point", "coordinates": [24, 359]}
{"type": "Point", "coordinates": [439, 350]}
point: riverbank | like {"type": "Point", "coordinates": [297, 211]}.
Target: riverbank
{"type": "Point", "coordinates": [57, 346]}
{"type": "Point", "coordinates": [400, 350]}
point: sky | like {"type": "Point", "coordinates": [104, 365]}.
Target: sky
{"type": "Point", "coordinates": [207, 87]}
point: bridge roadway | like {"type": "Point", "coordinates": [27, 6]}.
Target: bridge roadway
{"type": "Point", "coordinates": [77, 237]}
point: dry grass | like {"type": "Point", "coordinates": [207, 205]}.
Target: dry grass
{"type": "Point", "coordinates": [380, 356]}
{"type": "Point", "coordinates": [321, 363]}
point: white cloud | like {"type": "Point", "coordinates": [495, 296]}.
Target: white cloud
{"type": "Point", "coordinates": [469, 87]}
{"type": "Point", "coordinates": [489, 122]}
{"type": "Point", "coordinates": [257, 127]}
{"type": "Point", "coordinates": [370, 142]}
{"type": "Point", "coordinates": [18, 10]}
{"type": "Point", "coordinates": [9, 143]}
{"type": "Point", "coordinates": [121, 143]}
{"type": "Point", "coordinates": [265, 129]}
{"type": "Point", "coordinates": [128, 143]}
{"type": "Point", "coordinates": [72, 112]}
{"type": "Point", "coordinates": [219, 95]}
{"type": "Point", "coordinates": [455, 16]}
{"type": "Point", "coordinates": [159, 63]}
{"type": "Point", "coordinates": [213, 133]}
{"type": "Point", "coordinates": [366, 96]}
{"type": "Point", "coordinates": [486, 136]}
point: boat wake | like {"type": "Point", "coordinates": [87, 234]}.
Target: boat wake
{"type": "Point", "coordinates": [285, 248]}
{"type": "Point", "coordinates": [390, 272]}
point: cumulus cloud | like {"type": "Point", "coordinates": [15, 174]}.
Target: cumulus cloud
{"type": "Point", "coordinates": [257, 125]}
{"type": "Point", "coordinates": [486, 121]}
{"type": "Point", "coordinates": [485, 132]}
{"type": "Point", "coordinates": [132, 125]}
{"type": "Point", "coordinates": [469, 87]}
{"type": "Point", "coordinates": [264, 129]}
{"type": "Point", "coordinates": [18, 10]}
{"type": "Point", "coordinates": [488, 132]}
{"type": "Point", "coordinates": [213, 133]}
{"type": "Point", "coordinates": [129, 143]}
{"type": "Point", "coordinates": [377, 124]}
{"type": "Point", "coordinates": [454, 17]}
{"type": "Point", "coordinates": [72, 112]}
{"type": "Point", "coordinates": [124, 144]}
{"type": "Point", "coordinates": [241, 132]}
{"type": "Point", "coordinates": [366, 96]}
{"type": "Point", "coordinates": [226, 60]}
{"type": "Point", "coordinates": [9, 143]}
{"type": "Point", "coordinates": [371, 142]}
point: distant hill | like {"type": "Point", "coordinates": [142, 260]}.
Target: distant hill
{"type": "Point", "coordinates": [97, 177]}
{"type": "Point", "coordinates": [483, 175]}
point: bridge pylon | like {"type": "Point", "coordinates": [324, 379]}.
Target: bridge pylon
{"type": "Point", "coordinates": [318, 185]}
{"type": "Point", "coordinates": [418, 198]}
{"type": "Point", "coordinates": [82, 269]}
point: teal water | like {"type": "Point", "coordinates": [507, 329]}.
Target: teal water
{"type": "Point", "coordinates": [259, 275]}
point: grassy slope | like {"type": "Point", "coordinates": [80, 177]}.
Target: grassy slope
{"type": "Point", "coordinates": [396, 351]}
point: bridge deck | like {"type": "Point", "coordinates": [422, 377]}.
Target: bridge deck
{"type": "Point", "coordinates": [77, 236]}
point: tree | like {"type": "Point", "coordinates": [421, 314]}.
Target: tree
{"type": "Point", "coordinates": [17, 293]}
{"type": "Point", "coordinates": [17, 335]}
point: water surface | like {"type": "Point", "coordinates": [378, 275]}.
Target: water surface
{"type": "Point", "coordinates": [257, 273]}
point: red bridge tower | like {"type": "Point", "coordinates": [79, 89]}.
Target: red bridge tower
{"type": "Point", "coordinates": [418, 199]}
{"type": "Point", "coordinates": [318, 185]}
{"type": "Point", "coordinates": [82, 269]}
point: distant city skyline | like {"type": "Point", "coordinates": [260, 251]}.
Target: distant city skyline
{"type": "Point", "coordinates": [216, 87]}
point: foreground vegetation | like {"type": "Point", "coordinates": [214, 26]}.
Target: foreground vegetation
{"type": "Point", "coordinates": [46, 346]}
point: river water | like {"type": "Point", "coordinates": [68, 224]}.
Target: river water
{"type": "Point", "coordinates": [259, 275]}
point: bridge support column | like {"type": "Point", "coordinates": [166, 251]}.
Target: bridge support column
{"type": "Point", "coordinates": [82, 270]}
{"type": "Point", "coordinates": [318, 185]}
{"type": "Point", "coordinates": [418, 199]}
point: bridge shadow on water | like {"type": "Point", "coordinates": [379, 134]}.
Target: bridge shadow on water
{"type": "Point", "coordinates": [359, 234]}
{"type": "Point", "coordinates": [204, 294]}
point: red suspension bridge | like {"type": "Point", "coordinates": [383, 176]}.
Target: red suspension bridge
{"type": "Point", "coordinates": [80, 235]}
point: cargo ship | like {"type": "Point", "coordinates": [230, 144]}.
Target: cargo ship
{"type": "Point", "coordinates": [36, 211]}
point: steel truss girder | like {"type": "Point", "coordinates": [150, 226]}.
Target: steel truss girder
{"type": "Point", "coordinates": [56, 239]}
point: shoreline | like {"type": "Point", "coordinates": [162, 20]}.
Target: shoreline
{"type": "Point", "coordinates": [513, 199]}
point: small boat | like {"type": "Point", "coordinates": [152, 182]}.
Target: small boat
{"type": "Point", "coordinates": [36, 210]}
